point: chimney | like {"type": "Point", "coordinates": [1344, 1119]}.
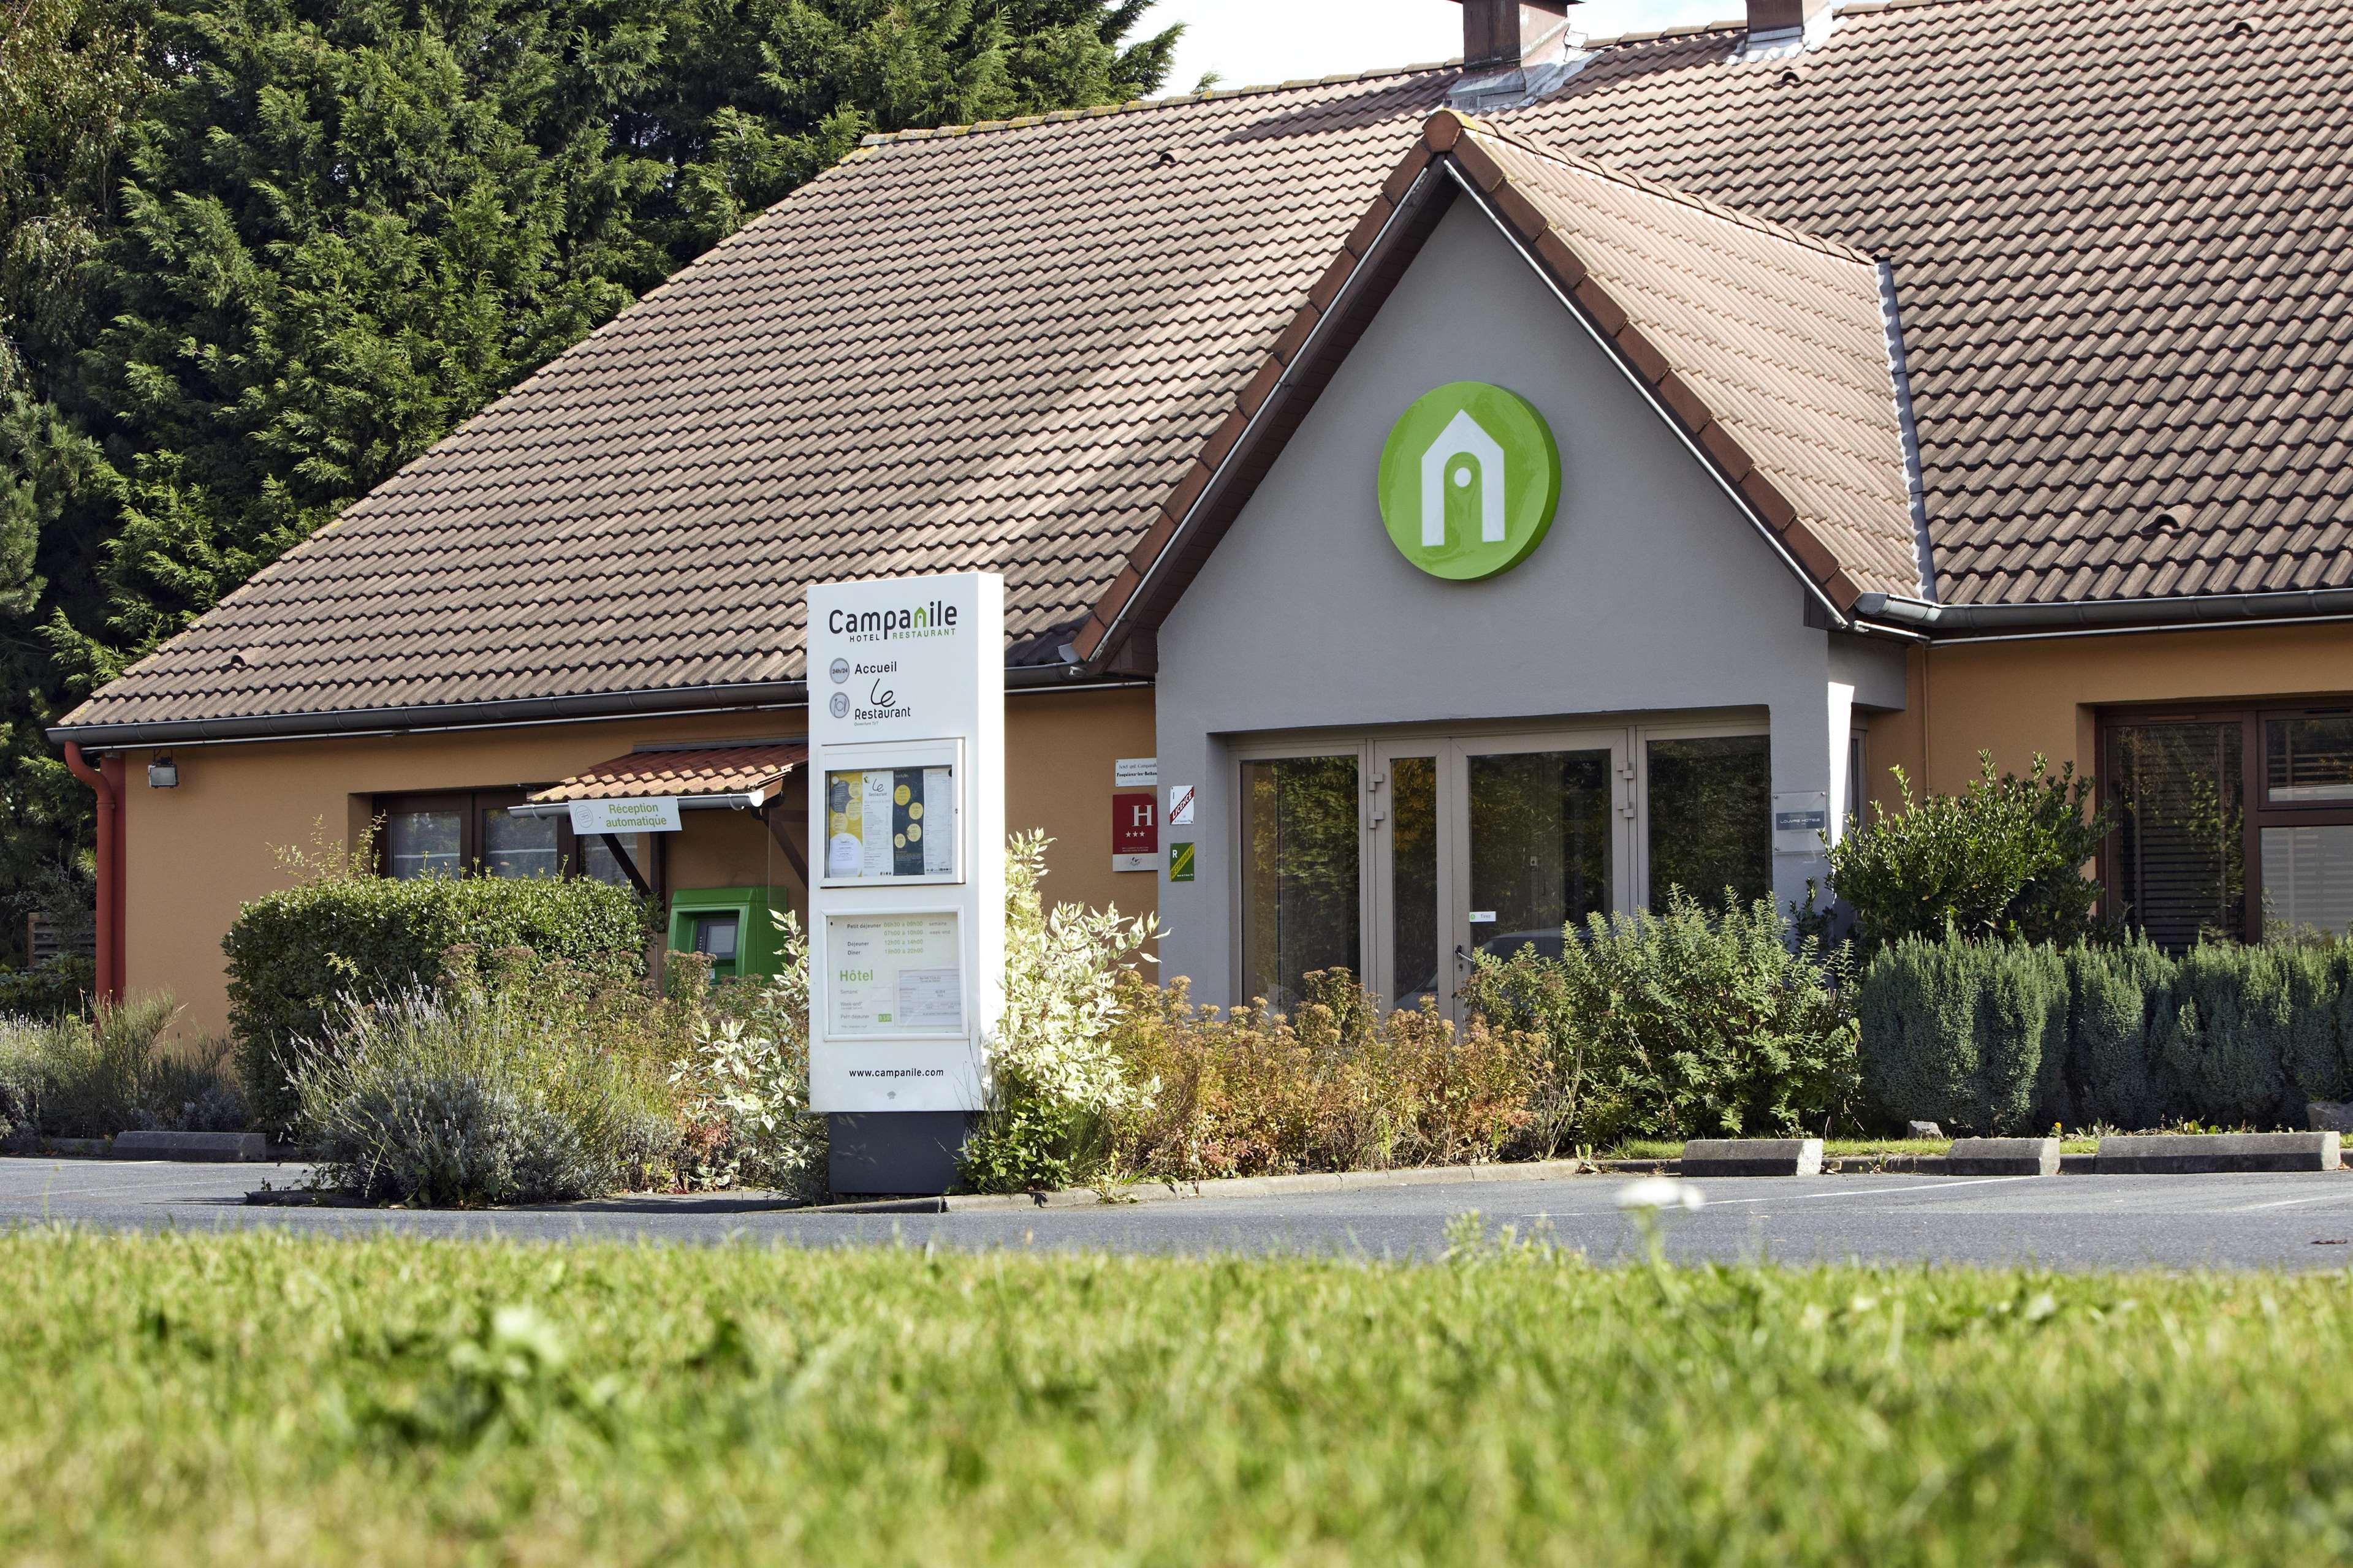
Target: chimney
{"type": "Point", "coordinates": [1506, 35]}
{"type": "Point", "coordinates": [1787, 22]}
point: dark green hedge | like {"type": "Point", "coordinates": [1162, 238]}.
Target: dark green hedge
{"type": "Point", "coordinates": [292, 954]}
{"type": "Point", "coordinates": [2117, 1035]}
{"type": "Point", "coordinates": [1965, 1033]}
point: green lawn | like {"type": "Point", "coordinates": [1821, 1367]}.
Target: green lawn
{"type": "Point", "coordinates": [258, 1399]}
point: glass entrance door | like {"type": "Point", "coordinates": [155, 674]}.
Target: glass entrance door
{"type": "Point", "coordinates": [1401, 857]}
{"type": "Point", "coordinates": [1544, 826]}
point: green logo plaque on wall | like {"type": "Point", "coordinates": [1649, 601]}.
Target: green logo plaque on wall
{"type": "Point", "coordinates": [1469, 479]}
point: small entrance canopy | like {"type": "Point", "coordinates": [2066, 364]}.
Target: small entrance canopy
{"type": "Point", "coordinates": [745, 777]}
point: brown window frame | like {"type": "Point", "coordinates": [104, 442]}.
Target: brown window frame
{"type": "Point", "coordinates": [473, 805]}
{"type": "Point", "coordinates": [2257, 810]}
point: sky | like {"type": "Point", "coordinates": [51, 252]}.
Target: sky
{"type": "Point", "coordinates": [1250, 43]}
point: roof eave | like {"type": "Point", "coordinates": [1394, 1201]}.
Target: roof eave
{"type": "Point", "coordinates": [504, 713]}
{"type": "Point", "coordinates": [2088, 617]}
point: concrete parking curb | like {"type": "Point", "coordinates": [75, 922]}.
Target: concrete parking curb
{"type": "Point", "coordinates": [1752, 1157]}
{"type": "Point", "coordinates": [200, 1146]}
{"type": "Point", "coordinates": [2205, 1154]}
{"type": "Point", "coordinates": [2003, 1157]}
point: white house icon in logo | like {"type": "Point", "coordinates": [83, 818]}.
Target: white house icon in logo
{"type": "Point", "coordinates": [1464, 437]}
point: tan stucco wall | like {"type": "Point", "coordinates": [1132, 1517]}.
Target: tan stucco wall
{"type": "Point", "coordinates": [2016, 699]}
{"type": "Point", "coordinates": [198, 851]}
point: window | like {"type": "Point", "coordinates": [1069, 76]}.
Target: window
{"type": "Point", "coordinates": [1710, 819]}
{"type": "Point", "coordinates": [449, 835]}
{"type": "Point", "coordinates": [519, 846]}
{"type": "Point", "coordinates": [2237, 823]}
{"type": "Point", "coordinates": [1300, 907]}
{"type": "Point", "coordinates": [424, 841]}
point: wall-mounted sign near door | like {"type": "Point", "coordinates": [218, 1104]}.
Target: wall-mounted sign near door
{"type": "Point", "coordinates": [1470, 479]}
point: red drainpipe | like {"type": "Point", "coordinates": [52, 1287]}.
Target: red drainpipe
{"type": "Point", "coordinates": [107, 780]}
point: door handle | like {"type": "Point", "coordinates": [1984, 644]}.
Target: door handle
{"type": "Point", "coordinates": [1461, 953]}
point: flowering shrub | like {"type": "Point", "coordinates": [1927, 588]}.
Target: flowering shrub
{"type": "Point", "coordinates": [1059, 1087]}
{"type": "Point", "coordinates": [1336, 1085]}
{"type": "Point", "coordinates": [743, 1087]}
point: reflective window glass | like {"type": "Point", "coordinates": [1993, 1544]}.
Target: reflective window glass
{"type": "Point", "coordinates": [2308, 881]}
{"type": "Point", "coordinates": [1300, 873]}
{"type": "Point", "coordinates": [1712, 818]}
{"type": "Point", "coordinates": [2308, 759]}
{"type": "Point", "coordinates": [424, 843]}
{"type": "Point", "coordinates": [519, 846]}
{"type": "Point", "coordinates": [598, 862]}
{"type": "Point", "coordinates": [1413, 878]}
{"type": "Point", "coordinates": [1540, 831]}
{"type": "Point", "coordinates": [2179, 799]}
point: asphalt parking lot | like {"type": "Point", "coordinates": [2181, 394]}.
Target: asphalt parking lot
{"type": "Point", "coordinates": [2075, 1221]}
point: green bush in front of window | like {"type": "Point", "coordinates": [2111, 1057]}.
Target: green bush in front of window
{"type": "Point", "coordinates": [1690, 1022]}
{"type": "Point", "coordinates": [294, 955]}
{"type": "Point", "coordinates": [2002, 860]}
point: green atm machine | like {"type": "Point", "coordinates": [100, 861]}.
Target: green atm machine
{"type": "Point", "coordinates": [736, 926]}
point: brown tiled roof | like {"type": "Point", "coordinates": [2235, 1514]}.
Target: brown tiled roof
{"type": "Point", "coordinates": [2118, 231]}
{"type": "Point", "coordinates": [1768, 346]}
{"type": "Point", "coordinates": [710, 770]}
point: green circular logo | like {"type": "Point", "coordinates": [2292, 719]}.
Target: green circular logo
{"type": "Point", "coordinates": [1469, 479]}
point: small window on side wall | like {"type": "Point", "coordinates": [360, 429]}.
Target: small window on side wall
{"type": "Point", "coordinates": [477, 833]}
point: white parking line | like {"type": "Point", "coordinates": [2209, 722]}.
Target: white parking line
{"type": "Point", "coordinates": [2288, 1203]}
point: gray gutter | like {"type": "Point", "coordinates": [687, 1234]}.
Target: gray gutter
{"type": "Point", "coordinates": [2083, 617]}
{"type": "Point", "coordinates": [742, 800]}
{"type": "Point", "coordinates": [501, 714]}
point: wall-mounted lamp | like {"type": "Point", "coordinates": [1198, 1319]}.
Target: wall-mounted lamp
{"type": "Point", "coordinates": [162, 774]}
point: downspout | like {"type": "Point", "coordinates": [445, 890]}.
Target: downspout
{"type": "Point", "coordinates": [110, 865]}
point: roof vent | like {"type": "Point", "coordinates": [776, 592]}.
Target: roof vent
{"type": "Point", "coordinates": [1515, 51]}
{"type": "Point", "coordinates": [2244, 26]}
{"type": "Point", "coordinates": [1777, 27]}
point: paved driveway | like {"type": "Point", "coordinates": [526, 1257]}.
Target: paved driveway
{"type": "Point", "coordinates": [2288, 1221]}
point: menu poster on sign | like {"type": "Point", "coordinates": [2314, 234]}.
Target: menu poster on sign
{"type": "Point", "coordinates": [895, 974]}
{"type": "Point", "coordinates": [883, 824]}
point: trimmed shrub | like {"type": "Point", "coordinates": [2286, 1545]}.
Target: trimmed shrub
{"type": "Point", "coordinates": [297, 957]}
{"type": "Point", "coordinates": [1971, 1035]}
{"type": "Point", "coordinates": [2252, 1035]}
{"type": "Point", "coordinates": [2004, 860]}
{"type": "Point", "coordinates": [526, 1083]}
{"type": "Point", "coordinates": [2114, 994]}
{"type": "Point", "coordinates": [1685, 1023]}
